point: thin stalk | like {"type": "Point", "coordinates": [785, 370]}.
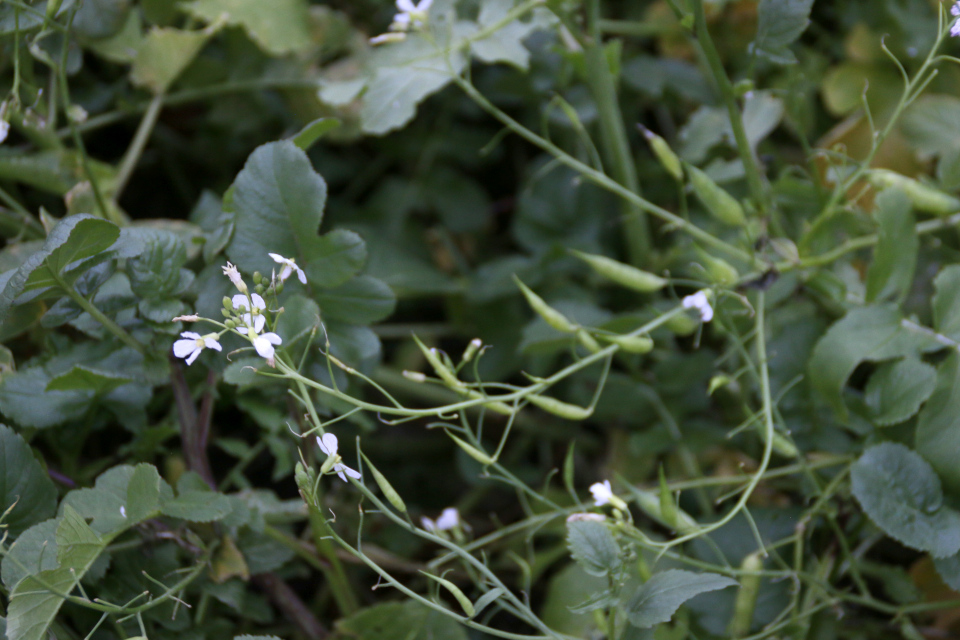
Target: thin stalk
{"type": "Point", "coordinates": [336, 576]}
{"type": "Point", "coordinates": [98, 315]}
{"type": "Point", "coordinates": [137, 145]}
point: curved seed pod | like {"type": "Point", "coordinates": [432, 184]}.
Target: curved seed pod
{"type": "Point", "coordinates": [649, 503]}
{"type": "Point", "coordinates": [388, 491]}
{"type": "Point", "coordinates": [668, 159]}
{"type": "Point", "coordinates": [718, 202]}
{"type": "Point", "coordinates": [623, 274]}
{"type": "Point", "coordinates": [668, 508]}
{"type": "Point", "coordinates": [561, 409]}
{"type": "Point", "coordinates": [472, 451]}
{"type": "Point", "coordinates": [746, 600]}
{"type": "Point", "coordinates": [923, 196]}
{"type": "Point", "coordinates": [455, 591]}
{"type": "Point", "coordinates": [553, 317]}
{"type": "Point", "coordinates": [442, 371]}
{"type": "Point", "coordinates": [631, 344]}
{"type": "Point", "coordinates": [682, 324]}
{"type": "Point", "coordinates": [719, 270]}
{"type": "Point", "coordinates": [497, 407]}
{"type": "Point", "coordinates": [587, 341]}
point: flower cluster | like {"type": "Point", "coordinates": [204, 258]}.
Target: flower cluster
{"type": "Point", "coordinates": [603, 494]}
{"type": "Point", "coordinates": [411, 16]}
{"type": "Point", "coordinates": [329, 445]}
{"type": "Point", "coordinates": [245, 313]}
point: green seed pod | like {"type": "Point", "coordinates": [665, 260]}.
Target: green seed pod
{"type": "Point", "coordinates": [472, 451]}
{"type": "Point", "coordinates": [746, 601]}
{"type": "Point", "coordinates": [668, 159]}
{"type": "Point", "coordinates": [568, 469]}
{"type": "Point", "coordinates": [649, 503]}
{"type": "Point", "coordinates": [455, 591]}
{"type": "Point", "coordinates": [720, 204]}
{"type": "Point", "coordinates": [471, 350]}
{"type": "Point", "coordinates": [668, 508]}
{"type": "Point", "coordinates": [587, 341]}
{"type": "Point", "coordinates": [496, 407]}
{"type": "Point", "coordinates": [924, 197]}
{"type": "Point", "coordinates": [305, 478]}
{"type": "Point", "coordinates": [553, 317]}
{"type": "Point", "coordinates": [623, 274]}
{"type": "Point", "coordinates": [442, 371]}
{"type": "Point", "coordinates": [52, 7]}
{"type": "Point", "coordinates": [388, 491]}
{"type": "Point", "coordinates": [561, 409]}
{"type": "Point", "coordinates": [781, 444]}
{"type": "Point", "coordinates": [631, 344]}
{"type": "Point", "coordinates": [718, 270]}
{"type": "Point", "coordinates": [682, 324]}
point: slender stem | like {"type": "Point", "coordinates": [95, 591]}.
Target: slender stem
{"type": "Point", "coordinates": [98, 315]}
{"type": "Point", "coordinates": [754, 178]}
{"type": "Point", "coordinates": [137, 145]}
{"type": "Point", "coordinates": [323, 541]}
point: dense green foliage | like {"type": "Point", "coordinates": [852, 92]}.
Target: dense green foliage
{"type": "Point", "coordinates": [512, 318]}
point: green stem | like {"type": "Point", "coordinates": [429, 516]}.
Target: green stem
{"type": "Point", "coordinates": [323, 541]}
{"type": "Point", "coordinates": [98, 315]}
{"type": "Point", "coordinates": [137, 145]}
{"type": "Point", "coordinates": [754, 177]}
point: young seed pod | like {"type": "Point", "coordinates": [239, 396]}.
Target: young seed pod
{"type": "Point", "coordinates": [471, 350]}
{"type": "Point", "coordinates": [442, 371]}
{"type": "Point", "coordinates": [682, 324]}
{"type": "Point", "coordinates": [553, 317]}
{"type": "Point", "coordinates": [587, 341]}
{"type": "Point", "coordinates": [631, 344]}
{"type": "Point", "coordinates": [388, 491]}
{"type": "Point", "coordinates": [561, 409]}
{"type": "Point", "coordinates": [668, 159]}
{"type": "Point", "coordinates": [924, 197]}
{"type": "Point", "coordinates": [472, 451]}
{"type": "Point", "coordinates": [746, 601]}
{"type": "Point", "coordinates": [720, 204]}
{"type": "Point", "coordinates": [455, 591]}
{"type": "Point", "coordinates": [719, 270]}
{"type": "Point", "coordinates": [496, 407]}
{"type": "Point", "coordinates": [623, 274]}
{"type": "Point", "coordinates": [668, 508]}
{"type": "Point", "coordinates": [781, 444]}
{"type": "Point", "coordinates": [649, 503]}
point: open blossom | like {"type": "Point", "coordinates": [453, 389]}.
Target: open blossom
{"type": "Point", "coordinates": [193, 343]}
{"type": "Point", "coordinates": [231, 272]}
{"type": "Point", "coordinates": [955, 11]}
{"type": "Point", "coordinates": [411, 14]}
{"type": "Point", "coordinates": [264, 345]}
{"type": "Point", "coordinates": [449, 519]}
{"type": "Point", "coordinates": [254, 316]}
{"type": "Point", "coordinates": [289, 266]}
{"type": "Point", "coordinates": [329, 445]}
{"type": "Point", "coordinates": [602, 492]}
{"type": "Point", "coordinates": [701, 303]}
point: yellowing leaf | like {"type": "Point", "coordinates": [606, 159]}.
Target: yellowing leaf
{"type": "Point", "coordinates": [164, 54]}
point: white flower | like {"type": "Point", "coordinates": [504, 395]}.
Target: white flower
{"type": "Point", "coordinates": [955, 11]}
{"type": "Point", "coordinates": [4, 130]}
{"type": "Point", "coordinates": [449, 519]}
{"type": "Point", "coordinates": [193, 344]}
{"type": "Point", "coordinates": [410, 14]}
{"type": "Point", "coordinates": [264, 345]}
{"type": "Point", "coordinates": [328, 444]}
{"type": "Point", "coordinates": [231, 272]}
{"type": "Point", "coordinates": [602, 492]}
{"type": "Point", "coordinates": [701, 303]}
{"type": "Point", "coordinates": [581, 517]}
{"type": "Point", "coordinates": [257, 319]}
{"type": "Point", "coordinates": [289, 266]}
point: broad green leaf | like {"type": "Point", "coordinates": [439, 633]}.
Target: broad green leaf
{"type": "Point", "coordinates": [938, 426]}
{"type": "Point", "coordinates": [23, 483]}
{"type": "Point", "coordinates": [96, 19]}
{"type": "Point", "coordinates": [779, 24]}
{"type": "Point", "coordinates": [25, 400]}
{"type": "Point", "coordinates": [278, 27]}
{"type": "Point", "coordinates": [897, 389]}
{"type": "Point", "coordinates": [357, 346]}
{"type": "Point", "coordinates": [363, 300]}
{"type": "Point", "coordinates": [163, 55]}
{"type": "Point", "coordinates": [263, 553]}
{"type": "Point", "coordinates": [506, 43]}
{"type": "Point", "coordinates": [53, 171]}
{"type": "Point", "coordinates": [161, 310]}
{"type": "Point", "coordinates": [156, 271]}
{"type": "Point", "coordinates": [949, 570]}
{"type": "Point", "coordinates": [74, 238]}
{"type": "Point", "coordinates": [143, 493]}
{"type": "Point", "coordinates": [946, 302]}
{"type": "Point", "coordinates": [314, 131]}
{"type": "Point", "coordinates": [567, 588]}
{"type": "Point", "coordinates": [34, 551]}
{"type": "Point", "coordinates": [895, 256]}
{"type": "Point", "coordinates": [300, 317]}
{"type": "Point", "coordinates": [867, 334]}
{"type": "Point", "coordinates": [122, 47]}
{"type": "Point", "coordinates": [902, 495]}
{"type": "Point", "coordinates": [279, 201]}
{"type": "Point", "coordinates": [931, 125]}
{"type": "Point", "coordinates": [593, 547]}
{"type": "Point", "coordinates": [32, 606]}
{"type": "Point", "coordinates": [656, 600]}
{"type": "Point", "coordinates": [109, 504]}
{"type": "Point", "coordinates": [198, 506]}
{"type": "Point", "coordinates": [401, 621]}
{"type": "Point", "coordinates": [81, 378]}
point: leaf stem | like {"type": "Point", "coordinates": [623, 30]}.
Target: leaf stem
{"type": "Point", "coordinates": [137, 145]}
{"type": "Point", "coordinates": [98, 315]}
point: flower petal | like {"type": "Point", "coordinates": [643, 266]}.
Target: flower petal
{"type": "Point", "coordinates": [328, 444]}
{"type": "Point", "coordinates": [258, 302]}
{"type": "Point", "coordinates": [301, 275]}
{"type": "Point", "coordinates": [193, 356]}
{"type": "Point", "coordinates": [258, 322]}
{"type": "Point", "coordinates": [240, 302]}
{"type": "Point", "coordinates": [276, 257]}
{"type": "Point", "coordinates": [263, 347]}
{"type": "Point", "coordinates": [449, 519]}
{"type": "Point", "coordinates": [273, 338]}
{"type": "Point", "coordinates": [342, 468]}
{"type": "Point", "coordinates": [190, 334]}
{"type": "Point", "coordinates": [406, 5]}
{"type": "Point", "coordinates": [212, 344]}
{"type": "Point", "coordinates": [183, 348]}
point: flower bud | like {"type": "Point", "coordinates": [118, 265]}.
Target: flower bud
{"type": "Point", "coordinates": [388, 491]}
{"type": "Point", "coordinates": [414, 376]}
{"type": "Point", "coordinates": [227, 303]}
{"type": "Point", "coordinates": [471, 350]}
{"type": "Point", "coordinates": [623, 274]}
{"type": "Point", "coordinates": [259, 289]}
{"type": "Point", "coordinates": [226, 313]}
{"type": "Point", "coordinates": [230, 324]}
{"type": "Point", "coordinates": [587, 341]}
{"type": "Point", "coordinates": [668, 159]}
{"type": "Point", "coordinates": [257, 278]}
{"type": "Point", "coordinates": [279, 288]}
{"type": "Point", "coordinates": [552, 317]}
{"type": "Point", "coordinates": [720, 204]}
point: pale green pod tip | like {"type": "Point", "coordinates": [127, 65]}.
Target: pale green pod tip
{"type": "Point", "coordinates": [664, 154]}
{"type": "Point", "coordinates": [631, 344]}
{"type": "Point", "coordinates": [552, 317]}
{"type": "Point", "coordinates": [623, 274]}
{"type": "Point", "coordinates": [388, 491]}
{"type": "Point", "coordinates": [455, 591]}
{"type": "Point", "coordinates": [561, 409]}
{"type": "Point", "coordinates": [720, 204]}
{"type": "Point", "coordinates": [472, 451]}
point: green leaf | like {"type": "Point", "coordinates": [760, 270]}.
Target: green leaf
{"type": "Point", "coordinates": [249, 637]}
{"type": "Point", "coordinates": [363, 300]}
{"type": "Point", "coordinates": [949, 570]}
{"type": "Point", "coordinates": [656, 600]}
{"type": "Point", "coordinates": [506, 43]}
{"type": "Point", "coordinates": [33, 606]}
{"type": "Point", "coordinates": [156, 271]}
{"type": "Point", "coordinates": [109, 504]}
{"type": "Point", "coordinates": [401, 621]}
{"type": "Point", "coordinates": [23, 483]}
{"type": "Point", "coordinates": [98, 19]}
{"type": "Point", "coordinates": [946, 302]}
{"type": "Point", "coordinates": [143, 493]}
{"type": "Point", "coordinates": [779, 24]}
{"type": "Point", "coordinates": [600, 600]}
{"type": "Point", "coordinates": [895, 256]}
{"type": "Point", "coordinates": [279, 201]}
{"type": "Point", "coordinates": [897, 389]}
{"type": "Point", "coordinates": [163, 55]}
{"type": "Point", "coordinates": [81, 378]}
{"type": "Point", "coordinates": [34, 551]}
{"type": "Point", "coordinates": [593, 547]}
{"type": "Point", "coordinates": [278, 27]}
{"type": "Point", "coordinates": [314, 131]}
{"type": "Point", "coordinates": [25, 400]}
{"type": "Point", "coordinates": [902, 495]}
{"type": "Point", "coordinates": [931, 125]}
{"type": "Point", "coordinates": [74, 238]}
{"type": "Point", "coordinates": [198, 506]}
{"type": "Point", "coordinates": [938, 426]}
{"type": "Point", "coordinates": [867, 334]}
